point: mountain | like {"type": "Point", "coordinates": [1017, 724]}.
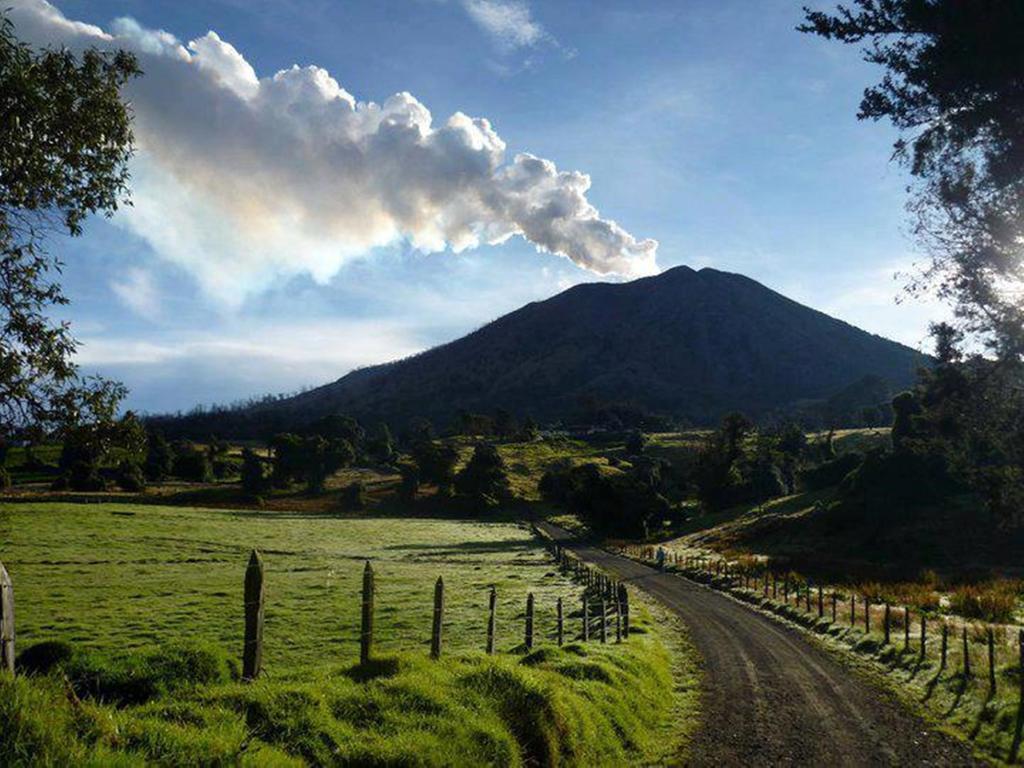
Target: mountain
{"type": "Point", "coordinates": [690, 344]}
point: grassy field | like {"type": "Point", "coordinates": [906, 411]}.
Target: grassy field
{"type": "Point", "coordinates": [114, 576]}
{"type": "Point", "coordinates": [148, 599]}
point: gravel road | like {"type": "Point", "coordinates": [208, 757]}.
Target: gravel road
{"type": "Point", "coordinates": [772, 698]}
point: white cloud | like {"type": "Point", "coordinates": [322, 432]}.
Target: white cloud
{"type": "Point", "coordinates": [137, 291]}
{"type": "Point", "coordinates": [243, 179]}
{"type": "Point", "coordinates": [509, 22]}
{"type": "Point", "coordinates": [337, 345]}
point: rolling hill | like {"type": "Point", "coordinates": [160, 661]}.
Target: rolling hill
{"type": "Point", "coordinates": [686, 343]}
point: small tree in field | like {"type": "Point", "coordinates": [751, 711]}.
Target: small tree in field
{"type": "Point", "coordinates": [254, 482]}
{"type": "Point", "coordinates": [485, 477]}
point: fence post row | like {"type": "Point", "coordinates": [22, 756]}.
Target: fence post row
{"type": "Point", "coordinates": [366, 633]}
{"type": "Point", "coordinates": [252, 651]}
{"type": "Point", "coordinates": [6, 621]}
{"type": "Point", "coordinates": [435, 635]}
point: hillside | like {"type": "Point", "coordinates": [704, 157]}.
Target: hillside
{"type": "Point", "coordinates": [690, 344]}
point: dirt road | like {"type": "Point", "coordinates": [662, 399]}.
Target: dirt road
{"type": "Point", "coordinates": [772, 698]}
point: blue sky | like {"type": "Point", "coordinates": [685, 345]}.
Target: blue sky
{"type": "Point", "coordinates": [710, 126]}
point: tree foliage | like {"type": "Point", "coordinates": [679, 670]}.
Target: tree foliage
{"type": "Point", "coordinates": [952, 86]}
{"type": "Point", "coordinates": [66, 143]}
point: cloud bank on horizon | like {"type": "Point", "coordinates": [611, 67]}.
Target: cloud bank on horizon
{"type": "Point", "coordinates": [243, 180]}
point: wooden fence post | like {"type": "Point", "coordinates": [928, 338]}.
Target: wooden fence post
{"type": "Point", "coordinates": [6, 621]}
{"type": "Point", "coordinates": [604, 621]}
{"type": "Point", "coordinates": [252, 651]}
{"type": "Point", "coordinates": [821, 603]}
{"type": "Point", "coordinates": [853, 609]}
{"type": "Point", "coordinates": [586, 618]}
{"type": "Point", "coordinates": [366, 631]}
{"type": "Point", "coordinates": [529, 621]}
{"type": "Point", "coordinates": [492, 619]}
{"type": "Point", "coordinates": [992, 662]}
{"type": "Point", "coordinates": [435, 630]}
{"type": "Point", "coordinates": [924, 635]}
{"type": "Point", "coordinates": [945, 645]}
{"type": "Point", "coordinates": [558, 612]}
{"type": "Point", "coordinates": [624, 602]}
{"type": "Point", "coordinates": [1020, 672]}
{"type": "Point", "coordinates": [785, 589]}
{"type": "Point", "coordinates": [808, 596]}
{"type": "Point", "coordinates": [834, 605]}
{"type": "Point", "coordinates": [775, 585]}
{"type": "Point", "coordinates": [867, 614]}
{"type": "Point", "coordinates": [906, 628]}
{"type": "Point", "coordinates": [618, 620]}
{"type": "Point", "coordinates": [967, 653]}
{"type": "Point", "coordinates": [885, 621]}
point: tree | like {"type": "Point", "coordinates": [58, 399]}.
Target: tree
{"type": "Point", "coordinates": [636, 443]}
{"type": "Point", "coordinates": [952, 86]}
{"type": "Point", "coordinates": [254, 482]}
{"type": "Point", "coordinates": [436, 463]}
{"type": "Point", "coordinates": [159, 457]}
{"type": "Point", "coordinates": [383, 446]}
{"type": "Point", "coordinates": [485, 477]}
{"type": "Point", "coordinates": [66, 143]}
{"type": "Point", "coordinates": [191, 462]}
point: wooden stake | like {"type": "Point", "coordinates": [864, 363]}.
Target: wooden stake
{"type": "Point", "coordinates": [492, 619]}
{"type": "Point", "coordinates": [558, 617]}
{"type": "Point", "coordinates": [945, 645]}
{"type": "Point", "coordinates": [435, 630]}
{"type": "Point", "coordinates": [924, 634]}
{"type": "Point", "coordinates": [624, 602]}
{"type": "Point", "coordinates": [834, 604]}
{"type": "Point", "coordinates": [821, 603]}
{"type": "Point", "coordinates": [366, 630]}
{"type": "Point", "coordinates": [618, 621]}
{"type": "Point", "coordinates": [992, 661]}
{"type": "Point", "coordinates": [867, 615]}
{"type": "Point", "coordinates": [886, 625]}
{"type": "Point", "coordinates": [853, 609]}
{"type": "Point", "coordinates": [604, 621]}
{"type": "Point", "coordinates": [529, 621]}
{"type": "Point", "coordinates": [252, 651]}
{"type": "Point", "coordinates": [6, 621]}
{"type": "Point", "coordinates": [967, 653]}
{"type": "Point", "coordinates": [906, 628]}
{"type": "Point", "coordinates": [586, 619]}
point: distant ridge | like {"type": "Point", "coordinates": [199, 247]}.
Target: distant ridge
{"type": "Point", "coordinates": [690, 344]}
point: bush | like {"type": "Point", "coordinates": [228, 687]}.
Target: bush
{"type": "Point", "coordinates": [191, 463]}
{"type": "Point", "coordinates": [83, 477]}
{"type": "Point", "coordinates": [5, 479]}
{"type": "Point", "coordinates": [484, 476]}
{"type": "Point", "coordinates": [354, 496]}
{"type": "Point", "coordinates": [130, 477]}
{"type": "Point", "coordinates": [830, 473]}
{"type": "Point", "coordinates": [159, 457]}
{"type": "Point", "coordinates": [994, 601]}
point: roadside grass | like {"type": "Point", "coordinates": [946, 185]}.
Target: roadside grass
{"type": "Point", "coordinates": [962, 704]}
{"type": "Point", "coordinates": [130, 621]}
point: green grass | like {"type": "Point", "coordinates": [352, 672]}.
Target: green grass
{"type": "Point", "coordinates": [122, 576]}
{"type": "Point", "coordinates": [144, 603]}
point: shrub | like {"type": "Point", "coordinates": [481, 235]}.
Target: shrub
{"type": "Point", "coordinates": [191, 463]}
{"type": "Point", "coordinates": [130, 477]}
{"type": "Point", "coordinates": [159, 457]}
{"type": "Point", "coordinates": [5, 479]}
{"type": "Point", "coordinates": [82, 476]}
{"type": "Point", "coordinates": [354, 496]}
{"type": "Point", "coordinates": [485, 475]}
{"type": "Point", "coordinates": [829, 473]}
{"type": "Point", "coordinates": [994, 601]}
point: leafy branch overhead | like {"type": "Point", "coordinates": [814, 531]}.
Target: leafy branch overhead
{"type": "Point", "coordinates": [67, 142]}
